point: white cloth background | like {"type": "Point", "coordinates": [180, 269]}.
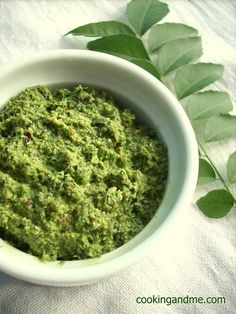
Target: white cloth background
{"type": "Point", "coordinates": [202, 262]}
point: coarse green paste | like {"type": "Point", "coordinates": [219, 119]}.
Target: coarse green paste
{"type": "Point", "coordinates": [78, 176]}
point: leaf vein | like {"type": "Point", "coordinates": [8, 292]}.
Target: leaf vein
{"type": "Point", "coordinates": [183, 54]}
{"type": "Point", "coordinates": [233, 127]}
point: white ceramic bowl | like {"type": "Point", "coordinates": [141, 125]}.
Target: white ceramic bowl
{"type": "Point", "coordinates": [154, 104]}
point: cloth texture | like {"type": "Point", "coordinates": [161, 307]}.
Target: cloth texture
{"type": "Point", "coordinates": [201, 261]}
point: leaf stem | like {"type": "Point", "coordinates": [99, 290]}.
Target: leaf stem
{"type": "Point", "coordinates": [214, 167]}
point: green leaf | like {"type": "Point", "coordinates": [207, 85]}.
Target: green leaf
{"type": "Point", "coordinates": [163, 33]}
{"type": "Point", "coordinates": [179, 52]}
{"type": "Point", "coordinates": [101, 29]}
{"type": "Point", "coordinates": [193, 77]}
{"type": "Point", "coordinates": [219, 128]}
{"type": "Point", "coordinates": [206, 104]}
{"type": "Point", "coordinates": [216, 204]}
{"type": "Point", "coordinates": [231, 168]}
{"type": "Point", "coordinates": [206, 172]}
{"type": "Point", "coordinates": [143, 14]}
{"type": "Point", "coordinates": [147, 65]}
{"type": "Point", "coordinates": [125, 46]}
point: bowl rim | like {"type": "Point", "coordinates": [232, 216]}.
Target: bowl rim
{"type": "Point", "coordinates": [75, 276]}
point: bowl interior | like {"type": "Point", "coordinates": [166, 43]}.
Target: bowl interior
{"type": "Point", "coordinates": [148, 99]}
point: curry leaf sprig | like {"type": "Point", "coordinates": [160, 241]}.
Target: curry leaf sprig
{"type": "Point", "coordinates": [175, 48]}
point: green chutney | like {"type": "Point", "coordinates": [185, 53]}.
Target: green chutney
{"type": "Point", "coordinates": [78, 176]}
